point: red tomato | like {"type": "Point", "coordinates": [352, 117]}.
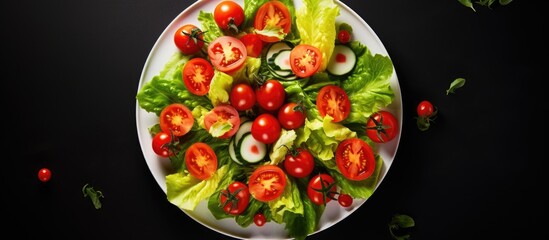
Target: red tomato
{"type": "Point", "coordinates": [221, 114]}
{"type": "Point", "coordinates": [266, 128]}
{"type": "Point", "coordinates": [242, 97]}
{"type": "Point", "coordinates": [333, 100]}
{"type": "Point", "coordinates": [259, 219]}
{"type": "Point", "coordinates": [44, 174]}
{"type": "Point", "coordinates": [267, 183]}
{"type": "Point", "coordinates": [382, 126]}
{"type": "Point", "coordinates": [291, 115]}
{"type": "Point", "coordinates": [270, 95]}
{"type": "Point", "coordinates": [161, 144]}
{"type": "Point", "coordinates": [355, 159]}
{"type": "Point", "coordinates": [228, 15]}
{"type": "Point", "coordinates": [299, 163]}
{"type": "Point", "coordinates": [305, 60]}
{"type": "Point", "coordinates": [273, 15]}
{"type": "Point", "coordinates": [227, 53]}
{"type": "Point", "coordinates": [253, 44]}
{"type": "Point", "coordinates": [321, 189]}
{"type": "Point", "coordinates": [235, 199]}
{"type": "Point", "coordinates": [345, 200]}
{"type": "Point", "coordinates": [201, 160]}
{"type": "Point", "coordinates": [189, 39]}
{"type": "Point", "coordinates": [343, 36]}
{"type": "Point", "coordinates": [197, 75]}
{"type": "Point", "coordinates": [177, 119]}
{"type": "Point", "coordinates": [425, 109]}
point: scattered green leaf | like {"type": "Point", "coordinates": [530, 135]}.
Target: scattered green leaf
{"type": "Point", "coordinates": [485, 3]}
{"type": "Point", "coordinates": [400, 226]}
{"type": "Point", "coordinates": [457, 83]}
{"type": "Point", "coordinates": [94, 195]}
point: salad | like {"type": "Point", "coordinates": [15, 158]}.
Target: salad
{"type": "Point", "coordinates": [268, 111]}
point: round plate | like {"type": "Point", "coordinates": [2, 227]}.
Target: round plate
{"type": "Point", "coordinates": [161, 52]}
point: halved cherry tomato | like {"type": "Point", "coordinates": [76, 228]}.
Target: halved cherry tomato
{"type": "Point", "coordinates": [321, 189]}
{"type": "Point", "coordinates": [355, 159]}
{"type": "Point", "coordinates": [305, 60]}
{"type": "Point", "coordinates": [270, 95]}
{"type": "Point", "coordinates": [235, 199]}
{"type": "Point", "coordinates": [267, 183]}
{"type": "Point", "coordinates": [228, 15]}
{"type": "Point", "coordinates": [266, 128]}
{"type": "Point", "coordinates": [161, 144]}
{"type": "Point", "coordinates": [189, 39]}
{"type": "Point", "coordinates": [382, 126]}
{"type": "Point", "coordinates": [299, 163]}
{"type": "Point", "coordinates": [334, 101]}
{"type": "Point", "coordinates": [242, 97]}
{"type": "Point", "coordinates": [201, 160]}
{"type": "Point", "coordinates": [227, 53]}
{"type": "Point", "coordinates": [177, 119]}
{"type": "Point", "coordinates": [253, 44]}
{"type": "Point", "coordinates": [273, 21]}
{"type": "Point", "coordinates": [197, 75]}
{"type": "Point", "coordinates": [221, 115]}
{"type": "Point", "coordinates": [291, 115]}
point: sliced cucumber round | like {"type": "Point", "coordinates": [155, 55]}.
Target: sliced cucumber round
{"type": "Point", "coordinates": [244, 128]}
{"type": "Point", "coordinates": [277, 47]}
{"type": "Point", "coordinates": [251, 150]}
{"type": "Point", "coordinates": [232, 153]}
{"type": "Point", "coordinates": [342, 61]}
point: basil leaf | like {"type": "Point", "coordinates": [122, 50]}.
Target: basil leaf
{"type": "Point", "coordinates": [94, 195]}
{"type": "Point", "coordinates": [457, 83]}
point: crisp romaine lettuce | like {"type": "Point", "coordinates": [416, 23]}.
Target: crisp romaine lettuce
{"type": "Point", "coordinates": [220, 87]}
{"type": "Point", "coordinates": [316, 24]}
{"type": "Point", "coordinates": [210, 29]}
{"type": "Point", "coordinates": [281, 146]}
{"type": "Point", "coordinates": [289, 201]}
{"type": "Point", "coordinates": [186, 192]}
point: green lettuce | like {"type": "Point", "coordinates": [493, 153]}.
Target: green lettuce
{"type": "Point", "coordinates": [316, 24]}
{"type": "Point", "coordinates": [281, 146]}
{"type": "Point", "coordinates": [210, 29]}
{"type": "Point", "coordinates": [220, 87]}
{"type": "Point", "coordinates": [186, 191]}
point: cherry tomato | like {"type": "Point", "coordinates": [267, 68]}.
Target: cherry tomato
{"type": "Point", "coordinates": [266, 128]}
{"type": "Point", "coordinates": [253, 44]}
{"type": "Point", "coordinates": [222, 114]}
{"type": "Point", "coordinates": [189, 39]}
{"type": "Point", "coordinates": [355, 159]}
{"type": "Point", "coordinates": [177, 119]}
{"type": "Point", "coordinates": [228, 15]}
{"type": "Point", "coordinates": [242, 97]}
{"type": "Point", "coordinates": [259, 219]}
{"type": "Point", "coordinates": [334, 101]}
{"type": "Point", "coordinates": [291, 115]}
{"type": "Point", "coordinates": [343, 36]}
{"type": "Point", "coordinates": [345, 200]}
{"type": "Point", "coordinates": [161, 144]}
{"type": "Point", "coordinates": [425, 109]}
{"type": "Point", "coordinates": [201, 160]}
{"type": "Point", "coordinates": [305, 60]}
{"type": "Point", "coordinates": [321, 189]}
{"type": "Point", "coordinates": [299, 163]}
{"type": "Point", "coordinates": [382, 126]}
{"type": "Point", "coordinates": [270, 95]}
{"type": "Point", "coordinates": [227, 53]}
{"type": "Point", "coordinates": [44, 174]}
{"type": "Point", "coordinates": [267, 183]}
{"type": "Point", "coordinates": [197, 75]}
{"type": "Point", "coordinates": [235, 199]}
{"type": "Point", "coordinates": [273, 15]}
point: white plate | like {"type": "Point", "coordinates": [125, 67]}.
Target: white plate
{"type": "Point", "coordinates": [163, 50]}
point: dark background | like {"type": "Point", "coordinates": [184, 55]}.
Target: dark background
{"type": "Point", "coordinates": [72, 69]}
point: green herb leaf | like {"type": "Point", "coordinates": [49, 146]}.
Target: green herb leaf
{"type": "Point", "coordinates": [468, 4]}
{"type": "Point", "coordinates": [457, 83]}
{"type": "Point", "coordinates": [504, 2]}
{"type": "Point", "coordinates": [88, 191]}
{"type": "Point", "coordinates": [400, 226]}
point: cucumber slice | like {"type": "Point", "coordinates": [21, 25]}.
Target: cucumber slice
{"type": "Point", "coordinates": [251, 150]}
{"type": "Point", "coordinates": [277, 47]}
{"type": "Point", "coordinates": [282, 60]}
{"type": "Point", "coordinates": [232, 152]}
{"type": "Point", "coordinates": [342, 61]}
{"type": "Point", "coordinates": [244, 128]}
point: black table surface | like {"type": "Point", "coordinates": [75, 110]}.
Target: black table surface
{"type": "Point", "coordinates": [72, 70]}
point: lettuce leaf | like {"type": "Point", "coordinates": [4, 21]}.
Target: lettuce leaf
{"type": "Point", "coordinates": [316, 24]}
{"type": "Point", "coordinates": [220, 87]}
{"type": "Point", "coordinates": [210, 29]}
